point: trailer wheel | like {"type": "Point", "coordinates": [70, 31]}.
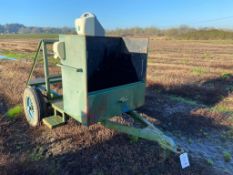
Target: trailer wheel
{"type": "Point", "coordinates": [34, 106]}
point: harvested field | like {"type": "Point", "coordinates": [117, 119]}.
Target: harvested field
{"type": "Point", "coordinates": [189, 93]}
{"type": "Point", "coordinates": [19, 45]}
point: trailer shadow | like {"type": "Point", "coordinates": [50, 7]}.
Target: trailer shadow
{"type": "Point", "coordinates": [3, 105]}
{"type": "Point", "coordinates": [179, 114]}
{"type": "Point", "coordinates": [209, 92]}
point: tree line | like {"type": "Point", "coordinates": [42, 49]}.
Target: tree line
{"type": "Point", "coordinates": [22, 29]}
{"type": "Point", "coordinates": [182, 32]}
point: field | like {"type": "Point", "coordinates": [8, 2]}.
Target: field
{"type": "Point", "coordinates": [189, 96]}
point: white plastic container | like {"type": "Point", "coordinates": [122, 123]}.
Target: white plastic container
{"type": "Point", "coordinates": [89, 25]}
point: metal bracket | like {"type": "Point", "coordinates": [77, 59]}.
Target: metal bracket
{"type": "Point", "coordinates": [149, 132]}
{"type": "Point", "coordinates": [42, 47]}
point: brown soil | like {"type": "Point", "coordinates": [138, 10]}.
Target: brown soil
{"type": "Point", "coordinates": [74, 149]}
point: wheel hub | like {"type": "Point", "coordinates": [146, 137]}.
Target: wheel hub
{"type": "Point", "coordinates": [30, 109]}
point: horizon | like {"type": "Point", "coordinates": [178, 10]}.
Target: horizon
{"type": "Point", "coordinates": [159, 14]}
{"type": "Point", "coordinates": [132, 27]}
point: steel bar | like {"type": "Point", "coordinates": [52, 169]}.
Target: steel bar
{"type": "Point", "coordinates": [34, 62]}
{"type": "Point", "coordinates": [150, 132]}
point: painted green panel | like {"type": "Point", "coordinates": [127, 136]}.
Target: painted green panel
{"type": "Point", "coordinates": [75, 50]}
{"type": "Point", "coordinates": [115, 101]}
{"type": "Point", "coordinates": [122, 90]}
{"type": "Point", "coordinates": [74, 75]}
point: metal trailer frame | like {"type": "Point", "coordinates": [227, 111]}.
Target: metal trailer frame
{"type": "Point", "coordinates": [59, 117]}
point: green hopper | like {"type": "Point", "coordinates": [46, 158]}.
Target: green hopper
{"type": "Point", "coordinates": [101, 77]}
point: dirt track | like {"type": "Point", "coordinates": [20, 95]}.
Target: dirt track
{"type": "Point", "coordinates": [185, 84]}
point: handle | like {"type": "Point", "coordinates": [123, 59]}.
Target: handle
{"type": "Point", "coordinates": [123, 100]}
{"type": "Point", "coordinates": [76, 69]}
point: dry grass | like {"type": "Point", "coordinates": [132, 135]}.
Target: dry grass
{"type": "Point", "coordinates": [20, 45]}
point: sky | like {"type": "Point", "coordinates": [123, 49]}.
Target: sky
{"type": "Point", "coordinates": [120, 13]}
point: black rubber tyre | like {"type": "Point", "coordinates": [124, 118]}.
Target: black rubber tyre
{"type": "Point", "coordinates": [34, 106]}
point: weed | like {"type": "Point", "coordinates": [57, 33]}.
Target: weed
{"type": "Point", "coordinates": [227, 156]}
{"type": "Point", "coordinates": [229, 88]}
{"type": "Point", "coordinates": [199, 71]}
{"type": "Point", "coordinates": [178, 134]}
{"type": "Point", "coordinates": [14, 112]}
{"type": "Point", "coordinates": [226, 76]}
{"type": "Point", "coordinates": [190, 141]}
{"type": "Point", "coordinates": [37, 154]}
{"type": "Point", "coordinates": [230, 120]}
{"type": "Point", "coordinates": [228, 135]}
{"type": "Point", "coordinates": [210, 162]}
{"type": "Point", "coordinates": [134, 139]}
{"type": "Point", "coordinates": [185, 61]}
{"type": "Point", "coordinates": [18, 55]}
{"type": "Point", "coordinates": [206, 56]}
{"type": "Point", "coordinates": [183, 100]}
{"type": "Point", "coordinates": [157, 91]}
{"type": "Point", "coordinates": [205, 134]}
{"type": "Point", "coordinates": [222, 109]}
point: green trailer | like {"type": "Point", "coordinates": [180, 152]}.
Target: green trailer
{"type": "Point", "coordinates": [101, 77]}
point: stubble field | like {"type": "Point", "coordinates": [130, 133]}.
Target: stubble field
{"type": "Point", "coordinates": [189, 93]}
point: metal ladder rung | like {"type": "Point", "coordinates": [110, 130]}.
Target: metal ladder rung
{"type": "Point", "coordinates": [53, 121]}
